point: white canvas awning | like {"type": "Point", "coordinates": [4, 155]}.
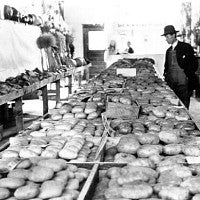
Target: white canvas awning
{"type": "Point", "coordinates": [18, 48]}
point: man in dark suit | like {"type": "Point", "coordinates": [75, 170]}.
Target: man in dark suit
{"type": "Point", "coordinates": [130, 49]}
{"type": "Point", "coordinates": [180, 66]}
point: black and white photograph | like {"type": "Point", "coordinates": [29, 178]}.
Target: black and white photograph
{"type": "Point", "coordinates": [99, 100]}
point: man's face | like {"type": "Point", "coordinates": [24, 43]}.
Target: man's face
{"type": "Point", "coordinates": [170, 38]}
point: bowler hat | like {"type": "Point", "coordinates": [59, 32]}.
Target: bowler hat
{"type": "Point", "coordinates": [169, 30]}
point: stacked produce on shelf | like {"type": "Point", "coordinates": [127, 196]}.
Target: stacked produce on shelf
{"type": "Point", "coordinates": [27, 78]}
{"type": "Point", "coordinates": [51, 147]}
{"type": "Point", "coordinates": [161, 147]}
{"type": "Point", "coordinates": [68, 133]}
{"type": "Point", "coordinates": [77, 110]}
{"type": "Point", "coordinates": [153, 152]}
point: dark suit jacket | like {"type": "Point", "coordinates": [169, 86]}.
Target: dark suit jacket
{"type": "Point", "coordinates": [186, 60]}
{"type": "Point", "coordinates": [130, 50]}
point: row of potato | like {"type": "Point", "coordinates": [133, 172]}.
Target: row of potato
{"type": "Point", "coordinates": [66, 135]}
{"type": "Point", "coordinates": [161, 147]}
{"type": "Point", "coordinates": [174, 181]}
{"type": "Point", "coordinates": [67, 132]}
{"type": "Point", "coordinates": [63, 135]}
{"type": "Point", "coordinates": [73, 149]}
{"type": "Point", "coordinates": [38, 178]}
{"type": "Point", "coordinates": [77, 110]}
{"type": "Point", "coordinates": [163, 136]}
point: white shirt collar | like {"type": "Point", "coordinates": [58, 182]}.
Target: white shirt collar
{"type": "Point", "coordinates": [174, 44]}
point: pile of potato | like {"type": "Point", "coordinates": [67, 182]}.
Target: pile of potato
{"type": "Point", "coordinates": [69, 126]}
{"type": "Point", "coordinates": [79, 149]}
{"type": "Point", "coordinates": [79, 110]}
{"type": "Point", "coordinates": [110, 80]}
{"type": "Point", "coordinates": [153, 120]}
{"type": "Point", "coordinates": [156, 145]}
{"type": "Point", "coordinates": [167, 181]}
{"type": "Point", "coordinates": [160, 142]}
{"type": "Point", "coordinates": [43, 179]}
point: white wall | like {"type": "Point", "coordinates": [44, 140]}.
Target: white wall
{"type": "Point", "coordinates": [148, 17]}
{"type": "Point", "coordinates": [19, 51]}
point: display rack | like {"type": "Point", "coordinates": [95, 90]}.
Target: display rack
{"type": "Point", "coordinates": [17, 96]}
{"type": "Point", "coordinates": [99, 165]}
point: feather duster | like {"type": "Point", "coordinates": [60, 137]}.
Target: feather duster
{"type": "Point", "coordinates": [46, 40]}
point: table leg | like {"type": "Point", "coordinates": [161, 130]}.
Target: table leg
{"type": "Point", "coordinates": [79, 78]}
{"type": "Point", "coordinates": [69, 84]}
{"type": "Point", "coordinates": [19, 114]}
{"type": "Point", "coordinates": [87, 73]}
{"type": "Point", "coordinates": [45, 99]}
{"type": "Point", "coordinates": [57, 91]}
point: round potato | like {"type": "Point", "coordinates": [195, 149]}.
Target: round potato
{"type": "Point", "coordinates": [68, 154]}
{"type": "Point", "coordinates": [26, 192]}
{"type": "Point", "coordinates": [168, 136]}
{"type": "Point", "coordinates": [124, 158]}
{"type": "Point", "coordinates": [9, 154]}
{"type": "Point", "coordinates": [113, 183]}
{"type": "Point", "coordinates": [137, 191]}
{"type": "Point", "coordinates": [174, 193]}
{"type": "Point", "coordinates": [148, 139]}
{"type": "Point", "coordinates": [155, 158]}
{"type": "Point", "coordinates": [191, 150]}
{"type": "Point", "coordinates": [68, 116]}
{"type": "Point", "coordinates": [71, 193]}
{"type": "Point", "coordinates": [113, 172]}
{"type": "Point", "coordinates": [24, 164]}
{"type": "Point", "coordinates": [159, 112]}
{"type": "Point", "coordinates": [128, 144]}
{"type": "Point", "coordinates": [148, 150]}
{"type": "Point", "coordinates": [40, 174]}
{"type": "Point", "coordinates": [144, 162]}
{"type": "Point", "coordinates": [169, 178]}
{"type": "Point", "coordinates": [55, 164]}
{"type": "Point", "coordinates": [77, 109]}
{"type": "Point", "coordinates": [73, 184]}
{"type": "Point", "coordinates": [50, 189]}
{"type": "Point", "coordinates": [172, 149]}
{"type": "Point", "coordinates": [93, 115]}
{"type": "Point", "coordinates": [182, 172]}
{"type": "Point", "coordinates": [56, 117]}
{"type": "Point", "coordinates": [11, 183]}
{"type": "Point", "coordinates": [18, 173]}
{"type": "Point", "coordinates": [112, 192]}
{"type": "Point", "coordinates": [4, 193]}
{"type": "Point", "coordinates": [192, 184]}
{"type": "Point", "coordinates": [27, 153]}
{"type": "Point", "coordinates": [80, 115]}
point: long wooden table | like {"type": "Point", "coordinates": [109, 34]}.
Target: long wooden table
{"type": "Point", "coordinates": [17, 96]}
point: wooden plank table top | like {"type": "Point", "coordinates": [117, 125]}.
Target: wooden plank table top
{"type": "Point", "coordinates": [18, 94]}
{"type": "Point", "coordinates": [31, 88]}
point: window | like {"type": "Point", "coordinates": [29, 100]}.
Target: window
{"type": "Point", "coordinates": [97, 40]}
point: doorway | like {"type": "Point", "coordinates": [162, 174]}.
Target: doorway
{"type": "Point", "coordinates": [94, 45]}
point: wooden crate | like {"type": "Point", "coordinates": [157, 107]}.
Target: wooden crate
{"type": "Point", "coordinates": [84, 186]}
{"type": "Point", "coordinates": [123, 111]}
{"type": "Point", "coordinates": [89, 187]}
